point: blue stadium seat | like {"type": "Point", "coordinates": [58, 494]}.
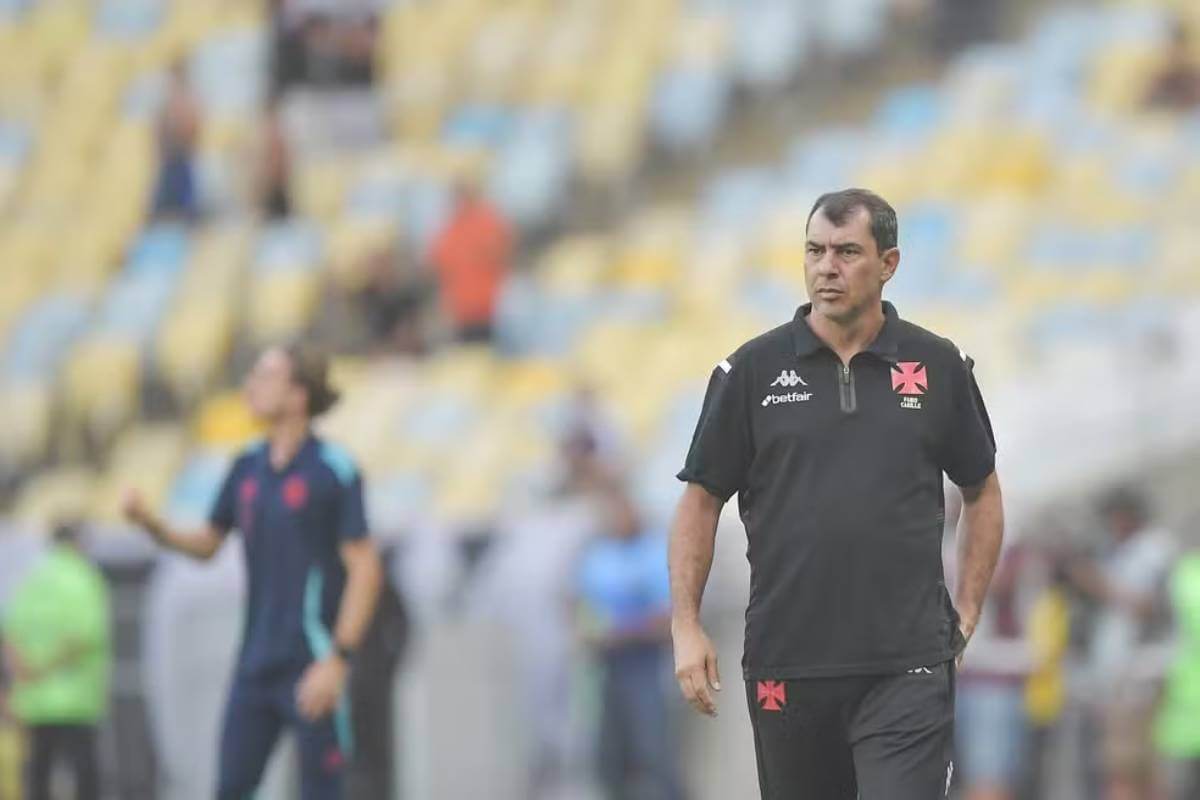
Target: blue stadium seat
{"type": "Point", "coordinates": [688, 105]}
{"type": "Point", "coordinates": [135, 304]}
{"type": "Point", "coordinates": [43, 336]}
{"type": "Point", "coordinates": [478, 125]}
{"type": "Point", "coordinates": [910, 113]}
{"type": "Point", "coordinates": [529, 178]}
{"type": "Point", "coordinates": [295, 244]}
{"type": "Point", "coordinates": [129, 19]}
{"type": "Point", "coordinates": [162, 248]}
{"type": "Point", "coordinates": [196, 487]}
{"type": "Point", "coordinates": [769, 41]}
{"type": "Point", "coordinates": [227, 72]}
{"type": "Point", "coordinates": [737, 199]}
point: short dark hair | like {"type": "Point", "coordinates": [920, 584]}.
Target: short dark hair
{"type": "Point", "coordinates": [838, 206]}
{"type": "Point", "coordinates": [310, 371]}
{"type": "Point", "coordinates": [1126, 500]}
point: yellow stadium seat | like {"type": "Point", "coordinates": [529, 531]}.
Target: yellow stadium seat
{"type": "Point", "coordinates": [994, 230]}
{"type": "Point", "coordinates": [467, 499]}
{"type": "Point", "coordinates": [653, 250]}
{"type": "Point", "coordinates": [1121, 76]}
{"type": "Point", "coordinates": [102, 384]}
{"type": "Point", "coordinates": [1020, 164]}
{"type": "Point", "coordinates": [145, 457]}
{"type": "Point", "coordinates": [194, 344]}
{"type": "Point", "coordinates": [574, 264]}
{"type": "Point", "coordinates": [281, 305]}
{"type": "Point", "coordinates": [56, 31]}
{"type": "Point", "coordinates": [466, 368]}
{"type": "Point", "coordinates": [609, 142]}
{"type": "Point", "coordinates": [62, 494]}
{"type": "Point", "coordinates": [225, 423]}
{"type": "Point", "coordinates": [25, 425]}
{"type": "Point", "coordinates": [218, 260]}
{"type": "Point", "coordinates": [319, 187]}
{"type": "Point", "coordinates": [527, 381]}
{"type": "Point", "coordinates": [352, 243]}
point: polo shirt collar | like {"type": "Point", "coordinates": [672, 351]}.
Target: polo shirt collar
{"type": "Point", "coordinates": [807, 342]}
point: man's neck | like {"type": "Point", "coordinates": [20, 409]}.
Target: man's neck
{"type": "Point", "coordinates": [286, 438]}
{"type": "Point", "coordinates": [847, 338]}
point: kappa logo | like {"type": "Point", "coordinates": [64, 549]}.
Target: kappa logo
{"type": "Point", "coordinates": [920, 671]}
{"type": "Point", "coordinates": [788, 378]}
{"type": "Point", "coordinates": [772, 695]}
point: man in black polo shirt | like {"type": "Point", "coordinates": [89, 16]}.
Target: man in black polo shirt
{"type": "Point", "coordinates": [835, 430]}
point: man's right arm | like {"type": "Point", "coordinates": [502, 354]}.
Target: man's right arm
{"type": "Point", "coordinates": [201, 544]}
{"type": "Point", "coordinates": [690, 559]}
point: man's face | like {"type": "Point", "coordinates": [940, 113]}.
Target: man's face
{"type": "Point", "coordinates": [269, 389]}
{"type": "Point", "coordinates": [844, 271]}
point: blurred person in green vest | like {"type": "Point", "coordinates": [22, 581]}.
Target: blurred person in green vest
{"type": "Point", "coordinates": [1177, 727]}
{"type": "Point", "coordinates": [56, 645]}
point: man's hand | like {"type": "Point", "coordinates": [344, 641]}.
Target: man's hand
{"type": "Point", "coordinates": [696, 666]}
{"type": "Point", "coordinates": [320, 687]}
{"type": "Point", "coordinates": [133, 507]}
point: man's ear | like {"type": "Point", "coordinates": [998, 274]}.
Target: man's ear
{"type": "Point", "coordinates": [891, 262]}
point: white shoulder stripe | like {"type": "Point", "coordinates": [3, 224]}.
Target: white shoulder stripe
{"type": "Point", "coordinates": [726, 366]}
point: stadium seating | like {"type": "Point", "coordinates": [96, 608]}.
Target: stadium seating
{"type": "Point", "coordinates": [1038, 204]}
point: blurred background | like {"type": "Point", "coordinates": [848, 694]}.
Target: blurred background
{"type": "Point", "coordinates": [528, 229]}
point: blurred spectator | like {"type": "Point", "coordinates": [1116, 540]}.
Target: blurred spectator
{"type": "Point", "coordinates": [274, 190]}
{"type": "Point", "coordinates": [175, 193]}
{"type": "Point", "coordinates": [392, 303]}
{"type": "Point", "coordinates": [1045, 692]}
{"type": "Point", "coordinates": [57, 649]}
{"type": "Point", "coordinates": [1177, 728]}
{"type": "Point", "coordinates": [624, 614]}
{"type": "Point", "coordinates": [471, 254]}
{"type": "Point", "coordinates": [992, 730]}
{"type": "Point", "coordinates": [1176, 86]}
{"type": "Point", "coordinates": [323, 43]}
{"type": "Point", "coordinates": [1126, 581]}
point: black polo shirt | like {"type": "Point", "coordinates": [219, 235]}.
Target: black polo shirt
{"type": "Point", "coordinates": [838, 471]}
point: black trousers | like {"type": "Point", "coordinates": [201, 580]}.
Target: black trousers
{"type": "Point", "coordinates": [874, 737]}
{"type": "Point", "coordinates": [71, 745]}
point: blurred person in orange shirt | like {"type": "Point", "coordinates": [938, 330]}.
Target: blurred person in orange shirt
{"type": "Point", "coordinates": [472, 255]}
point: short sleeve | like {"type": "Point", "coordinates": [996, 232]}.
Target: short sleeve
{"type": "Point", "coordinates": [223, 515]}
{"type": "Point", "coordinates": [352, 514]}
{"type": "Point", "coordinates": [720, 453]}
{"type": "Point", "coordinates": [969, 452]}
{"type": "Point", "coordinates": [351, 510]}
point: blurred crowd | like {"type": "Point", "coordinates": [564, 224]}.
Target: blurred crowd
{"type": "Point", "coordinates": [1083, 673]}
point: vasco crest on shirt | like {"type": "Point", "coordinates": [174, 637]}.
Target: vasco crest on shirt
{"type": "Point", "coordinates": [910, 381]}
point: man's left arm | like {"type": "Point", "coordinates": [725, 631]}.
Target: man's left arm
{"type": "Point", "coordinates": [969, 460]}
{"type": "Point", "coordinates": [980, 537]}
{"type": "Point", "coordinates": [321, 687]}
{"type": "Point", "coordinates": [364, 580]}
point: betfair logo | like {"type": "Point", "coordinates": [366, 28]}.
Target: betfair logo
{"type": "Point", "coordinates": [788, 378]}
{"type": "Point", "coordinates": [791, 397]}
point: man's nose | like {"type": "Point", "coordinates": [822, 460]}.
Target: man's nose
{"type": "Point", "coordinates": [827, 266]}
